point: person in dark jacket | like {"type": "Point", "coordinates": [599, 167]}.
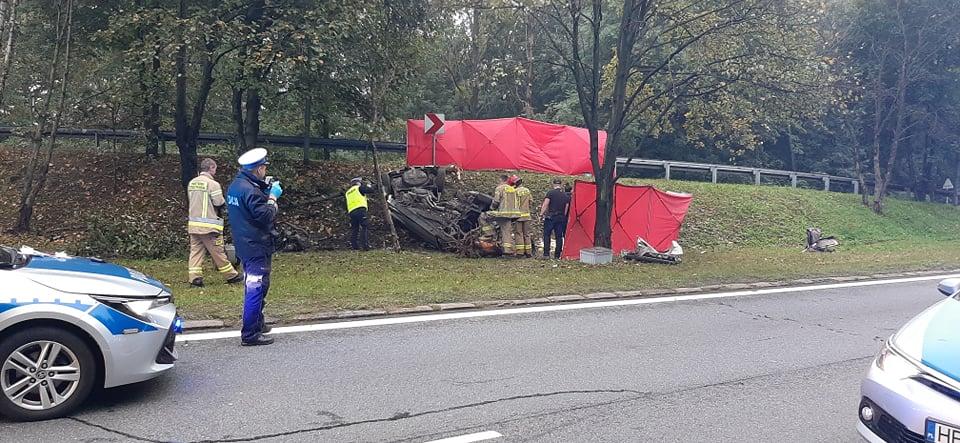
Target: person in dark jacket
{"type": "Point", "coordinates": [554, 212]}
{"type": "Point", "coordinates": [252, 208]}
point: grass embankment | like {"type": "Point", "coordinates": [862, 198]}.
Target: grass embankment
{"type": "Point", "coordinates": [733, 233]}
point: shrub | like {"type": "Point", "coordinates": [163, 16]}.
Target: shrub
{"type": "Point", "coordinates": [131, 236]}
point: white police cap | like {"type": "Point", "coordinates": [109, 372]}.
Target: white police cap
{"type": "Point", "coordinates": [253, 158]}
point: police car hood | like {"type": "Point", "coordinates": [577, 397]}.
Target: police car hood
{"type": "Point", "coordinates": [933, 338]}
{"type": "Point", "coordinates": [80, 275]}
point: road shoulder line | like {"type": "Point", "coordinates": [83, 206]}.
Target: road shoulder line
{"type": "Point", "coordinates": [385, 321]}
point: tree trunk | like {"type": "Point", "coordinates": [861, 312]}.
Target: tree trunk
{"type": "Point", "coordinates": [238, 126]}
{"type": "Point", "coordinates": [252, 120]}
{"type": "Point", "coordinates": [475, 59]}
{"type": "Point", "coordinates": [605, 176]}
{"type": "Point", "coordinates": [528, 90]}
{"type": "Point", "coordinates": [33, 190]}
{"type": "Point", "coordinates": [307, 114]}
{"type": "Point", "coordinates": [150, 107]}
{"type": "Point", "coordinates": [386, 205]}
{"type": "Point", "coordinates": [150, 112]}
{"type": "Point", "coordinates": [901, 111]}
{"type": "Point", "coordinates": [325, 131]}
{"type": "Point", "coordinates": [10, 27]}
{"type": "Point", "coordinates": [603, 230]}
{"type": "Point", "coordinates": [858, 170]}
{"type": "Point", "coordinates": [188, 153]}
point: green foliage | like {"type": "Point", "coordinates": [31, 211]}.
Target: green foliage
{"type": "Point", "coordinates": [131, 235]}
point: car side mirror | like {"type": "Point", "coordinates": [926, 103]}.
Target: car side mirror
{"type": "Point", "coordinates": [949, 286]}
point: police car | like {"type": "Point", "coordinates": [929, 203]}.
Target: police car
{"type": "Point", "coordinates": [912, 390]}
{"type": "Point", "coordinates": [70, 324]}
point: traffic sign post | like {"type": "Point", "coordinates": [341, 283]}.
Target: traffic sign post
{"type": "Point", "coordinates": [433, 125]}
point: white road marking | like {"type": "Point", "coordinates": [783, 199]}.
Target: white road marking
{"type": "Point", "coordinates": [558, 307]}
{"type": "Point", "coordinates": [470, 438]}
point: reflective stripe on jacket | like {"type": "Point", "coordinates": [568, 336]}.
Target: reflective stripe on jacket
{"type": "Point", "coordinates": [523, 203]}
{"type": "Point", "coordinates": [505, 202]}
{"type": "Point", "coordinates": [355, 198]}
{"type": "Point", "coordinates": [204, 196]}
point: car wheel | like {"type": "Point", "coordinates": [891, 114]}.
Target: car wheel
{"type": "Point", "coordinates": [45, 373]}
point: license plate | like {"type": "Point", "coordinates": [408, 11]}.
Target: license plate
{"type": "Point", "coordinates": [941, 433]}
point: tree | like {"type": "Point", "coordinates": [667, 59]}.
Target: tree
{"type": "Point", "coordinates": [899, 45]}
{"type": "Point", "coordinates": [8, 35]}
{"type": "Point", "coordinates": [39, 166]}
{"type": "Point", "coordinates": [207, 30]}
{"type": "Point", "coordinates": [665, 53]}
{"type": "Point", "coordinates": [383, 62]}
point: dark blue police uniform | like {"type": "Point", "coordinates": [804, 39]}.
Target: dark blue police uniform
{"type": "Point", "coordinates": [252, 215]}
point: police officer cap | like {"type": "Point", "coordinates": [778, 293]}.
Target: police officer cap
{"type": "Point", "coordinates": [253, 158]}
{"type": "Point", "coordinates": [356, 180]}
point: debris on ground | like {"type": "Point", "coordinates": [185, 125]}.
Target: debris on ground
{"type": "Point", "coordinates": [648, 254]}
{"type": "Point", "coordinates": [816, 242]}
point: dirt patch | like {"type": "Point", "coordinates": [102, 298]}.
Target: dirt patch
{"type": "Point", "coordinates": [141, 199]}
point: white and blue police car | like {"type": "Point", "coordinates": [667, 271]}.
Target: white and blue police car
{"type": "Point", "coordinates": [70, 324]}
{"type": "Point", "coordinates": [912, 390]}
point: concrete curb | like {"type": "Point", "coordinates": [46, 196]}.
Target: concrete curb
{"type": "Point", "coordinates": [197, 325]}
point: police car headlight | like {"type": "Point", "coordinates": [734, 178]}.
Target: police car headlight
{"type": "Point", "coordinates": [137, 308]}
{"type": "Point", "coordinates": [891, 362]}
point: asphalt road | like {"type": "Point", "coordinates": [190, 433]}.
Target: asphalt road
{"type": "Point", "coordinates": [780, 367]}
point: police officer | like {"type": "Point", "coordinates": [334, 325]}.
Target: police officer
{"type": "Point", "coordinates": [356, 196]}
{"type": "Point", "coordinates": [252, 207]}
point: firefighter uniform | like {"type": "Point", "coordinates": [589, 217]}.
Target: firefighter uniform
{"type": "Point", "coordinates": [205, 227]}
{"type": "Point", "coordinates": [505, 212]}
{"type": "Point", "coordinates": [521, 227]}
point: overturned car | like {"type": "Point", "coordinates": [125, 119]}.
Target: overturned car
{"type": "Point", "coordinates": [442, 221]}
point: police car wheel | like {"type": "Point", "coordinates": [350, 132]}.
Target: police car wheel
{"type": "Point", "coordinates": [45, 373]}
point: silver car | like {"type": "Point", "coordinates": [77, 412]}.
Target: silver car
{"type": "Point", "coordinates": [70, 324]}
{"type": "Point", "coordinates": [912, 390]}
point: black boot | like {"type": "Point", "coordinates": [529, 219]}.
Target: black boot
{"type": "Point", "coordinates": [259, 341]}
{"type": "Point", "coordinates": [197, 282]}
{"type": "Point", "coordinates": [235, 279]}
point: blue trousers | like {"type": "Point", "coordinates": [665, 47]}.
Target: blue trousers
{"type": "Point", "coordinates": [558, 227]}
{"type": "Point", "coordinates": [256, 272]}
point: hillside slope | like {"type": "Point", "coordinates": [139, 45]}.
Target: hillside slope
{"type": "Point", "coordinates": [130, 206]}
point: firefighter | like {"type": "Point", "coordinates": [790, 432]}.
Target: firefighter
{"type": "Point", "coordinates": [252, 206]}
{"type": "Point", "coordinates": [521, 227]}
{"type": "Point", "coordinates": [487, 219]}
{"type": "Point", "coordinates": [205, 227]}
{"type": "Point", "coordinates": [505, 211]}
{"type": "Point", "coordinates": [356, 197]}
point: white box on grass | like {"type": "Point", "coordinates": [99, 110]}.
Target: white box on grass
{"type": "Point", "coordinates": [596, 256]}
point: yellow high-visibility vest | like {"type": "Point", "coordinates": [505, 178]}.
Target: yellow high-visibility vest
{"type": "Point", "coordinates": [355, 199]}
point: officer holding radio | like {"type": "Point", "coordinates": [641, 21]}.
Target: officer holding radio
{"type": "Point", "coordinates": [252, 206]}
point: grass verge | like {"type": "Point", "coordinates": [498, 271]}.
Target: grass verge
{"type": "Point", "coordinates": [323, 281]}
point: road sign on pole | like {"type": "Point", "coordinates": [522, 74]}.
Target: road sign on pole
{"type": "Point", "coordinates": [948, 185]}
{"type": "Point", "coordinates": [433, 123]}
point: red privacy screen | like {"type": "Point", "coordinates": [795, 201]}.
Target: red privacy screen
{"type": "Point", "coordinates": [504, 143]}
{"type": "Point", "coordinates": [639, 211]}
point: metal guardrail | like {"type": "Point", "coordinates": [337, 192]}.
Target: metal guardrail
{"type": "Point", "coordinates": [669, 166]}
{"type": "Point", "coordinates": [215, 137]}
